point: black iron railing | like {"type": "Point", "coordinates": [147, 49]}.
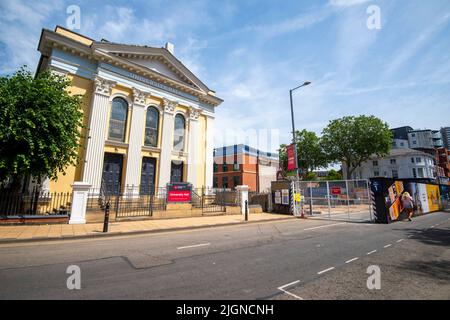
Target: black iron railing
{"type": "Point", "coordinates": [34, 202]}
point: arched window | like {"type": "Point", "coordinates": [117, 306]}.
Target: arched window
{"type": "Point", "coordinates": [178, 137]}
{"type": "Point", "coordinates": [118, 119]}
{"type": "Point", "coordinates": [151, 127]}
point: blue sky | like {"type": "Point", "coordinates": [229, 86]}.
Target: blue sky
{"type": "Point", "coordinates": [253, 52]}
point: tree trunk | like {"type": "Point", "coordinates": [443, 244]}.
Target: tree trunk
{"type": "Point", "coordinates": [349, 172]}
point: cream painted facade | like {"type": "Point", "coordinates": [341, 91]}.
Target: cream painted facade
{"type": "Point", "coordinates": [111, 76]}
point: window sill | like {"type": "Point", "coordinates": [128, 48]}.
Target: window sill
{"type": "Point", "coordinates": [151, 149]}
{"type": "Point", "coordinates": [179, 153]}
{"type": "Point", "coordinates": [116, 143]}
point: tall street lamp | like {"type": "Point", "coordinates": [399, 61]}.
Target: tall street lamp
{"type": "Point", "coordinates": [294, 139]}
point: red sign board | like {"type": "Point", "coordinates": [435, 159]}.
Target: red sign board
{"type": "Point", "coordinates": [336, 191]}
{"type": "Point", "coordinates": [179, 192]}
{"type": "Point", "coordinates": [291, 157]}
{"type": "Point", "coordinates": [178, 196]}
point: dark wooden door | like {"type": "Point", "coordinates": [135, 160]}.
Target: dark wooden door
{"type": "Point", "coordinates": [176, 172]}
{"type": "Point", "coordinates": [148, 175]}
{"type": "Point", "coordinates": [112, 173]}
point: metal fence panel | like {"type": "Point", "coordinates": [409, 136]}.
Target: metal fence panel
{"type": "Point", "coordinates": [347, 200]}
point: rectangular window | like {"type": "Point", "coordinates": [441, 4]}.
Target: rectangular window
{"type": "Point", "coordinates": [375, 163]}
{"type": "Point", "coordinates": [225, 182]}
{"type": "Point", "coordinates": [224, 168]}
{"type": "Point", "coordinates": [376, 173]}
{"type": "Point", "coordinates": [414, 142]}
{"type": "Point", "coordinates": [420, 173]}
{"type": "Point", "coordinates": [395, 174]}
{"type": "Point", "coordinates": [116, 130]}
{"type": "Point", "coordinates": [236, 181]}
{"type": "Point", "coordinates": [235, 167]}
{"type": "Point", "coordinates": [216, 167]}
{"type": "Point", "coordinates": [412, 160]}
{"type": "Point", "coordinates": [414, 173]}
{"type": "Point", "coordinates": [418, 160]}
{"type": "Point", "coordinates": [215, 182]}
{"type": "Point", "coordinates": [393, 161]}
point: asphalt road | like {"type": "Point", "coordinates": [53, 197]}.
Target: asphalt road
{"type": "Point", "coordinates": [295, 259]}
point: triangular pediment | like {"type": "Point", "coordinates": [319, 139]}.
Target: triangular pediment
{"type": "Point", "coordinates": [156, 59]}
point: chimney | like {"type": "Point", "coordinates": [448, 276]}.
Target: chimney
{"type": "Point", "coordinates": [170, 47]}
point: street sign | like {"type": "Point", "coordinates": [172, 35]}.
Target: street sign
{"type": "Point", "coordinates": [336, 191]}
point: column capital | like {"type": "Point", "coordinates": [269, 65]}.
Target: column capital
{"type": "Point", "coordinates": [194, 113]}
{"type": "Point", "coordinates": [103, 86]}
{"type": "Point", "coordinates": [169, 105]}
{"type": "Point", "coordinates": [139, 97]}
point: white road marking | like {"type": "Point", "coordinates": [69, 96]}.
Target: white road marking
{"type": "Point", "coordinates": [399, 240]}
{"type": "Point", "coordinates": [326, 270]}
{"type": "Point", "coordinates": [289, 293]}
{"type": "Point", "coordinates": [324, 226]}
{"type": "Point", "coordinates": [387, 246]}
{"type": "Point", "coordinates": [373, 251]}
{"type": "Point", "coordinates": [351, 260]}
{"type": "Point", "coordinates": [194, 246]}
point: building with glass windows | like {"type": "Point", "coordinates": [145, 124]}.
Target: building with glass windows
{"type": "Point", "coordinates": [244, 165]}
{"type": "Point", "coordinates": [401, 163]}
{"type": "Point", "coordinates": [148, 120]}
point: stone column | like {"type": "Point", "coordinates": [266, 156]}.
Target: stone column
{"type": "Point", "coordinates": [167, 142]}
{"type": "Point", "coordinates": [209, 156]}
{"type": "Point", "coordinates": [243, 196]}
{"type": "Point", "coordinates": [79, 202]}
{"type": "Point", "coordinates": [98, 124]}
{"type": "Point", "coordinates": [134, 159]}
{"type": "Point", "coordinates": [193, 163]}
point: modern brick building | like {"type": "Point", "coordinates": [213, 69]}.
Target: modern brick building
{"type": "Point", "coordinates": [243, 165]}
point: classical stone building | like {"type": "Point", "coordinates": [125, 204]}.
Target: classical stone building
{"type": "Point", "coordinates": [148, 119]}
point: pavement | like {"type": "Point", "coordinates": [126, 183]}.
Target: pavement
{"type": "Point", "coordinates": [65, 231]}
{"type": "Point", "coordinates": [283, 260]}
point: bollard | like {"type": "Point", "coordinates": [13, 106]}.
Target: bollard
{"type": "Point", "coordinates": [246, 210]}
{"type": "Point", "coordinates": [106, 221]}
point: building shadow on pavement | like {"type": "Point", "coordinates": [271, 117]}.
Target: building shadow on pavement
{"type": "Point", "coordinates": [432, 266]}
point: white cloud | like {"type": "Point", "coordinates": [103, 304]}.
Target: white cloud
{"type": "Point", "coordinates": [20, 23]}
{"type": "Point", "coordinates": [408, 51]}
{"type": "Point", "coordinates": [346, 3]}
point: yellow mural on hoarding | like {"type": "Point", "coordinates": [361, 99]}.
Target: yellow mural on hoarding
{"type": "Point", "coordinates": [434, 196]}
{"type": "Point", "coordinates": [395, 191]}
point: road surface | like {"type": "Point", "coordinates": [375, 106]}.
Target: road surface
{"type": "Point", "coordinates": [295, 259]}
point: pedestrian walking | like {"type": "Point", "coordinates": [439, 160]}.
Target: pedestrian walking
{"type": "Point", "coordinates": [408, 204]}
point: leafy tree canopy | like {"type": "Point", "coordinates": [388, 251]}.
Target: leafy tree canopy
{"type": "Point", "coordinates": [333, 175]}
{"type": "Point", "coordinates": [353, 140]}
{"type": "Point", "coordinates": [40, 125]}
{"type": "Point", "coordinates": [309, 150]}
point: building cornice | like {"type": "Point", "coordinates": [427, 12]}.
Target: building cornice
{"type": "Point", "coordinates": [50, 39]}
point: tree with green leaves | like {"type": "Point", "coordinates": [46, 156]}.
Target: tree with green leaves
{"type": "Point", "coordinates": [333, 175]}
{"type": "Point", "coordinates": [40, 127]}
{"type": "Point", "coordinates": [353, 140]}
{"type": "Point", "coordinates": [309, 151]}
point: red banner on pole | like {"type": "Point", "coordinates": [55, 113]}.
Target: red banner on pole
{"type": "Point", "coordinates": [291, 157]}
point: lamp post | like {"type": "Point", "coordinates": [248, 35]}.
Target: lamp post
{"type": "Point", "coordinates": [294, 139]}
